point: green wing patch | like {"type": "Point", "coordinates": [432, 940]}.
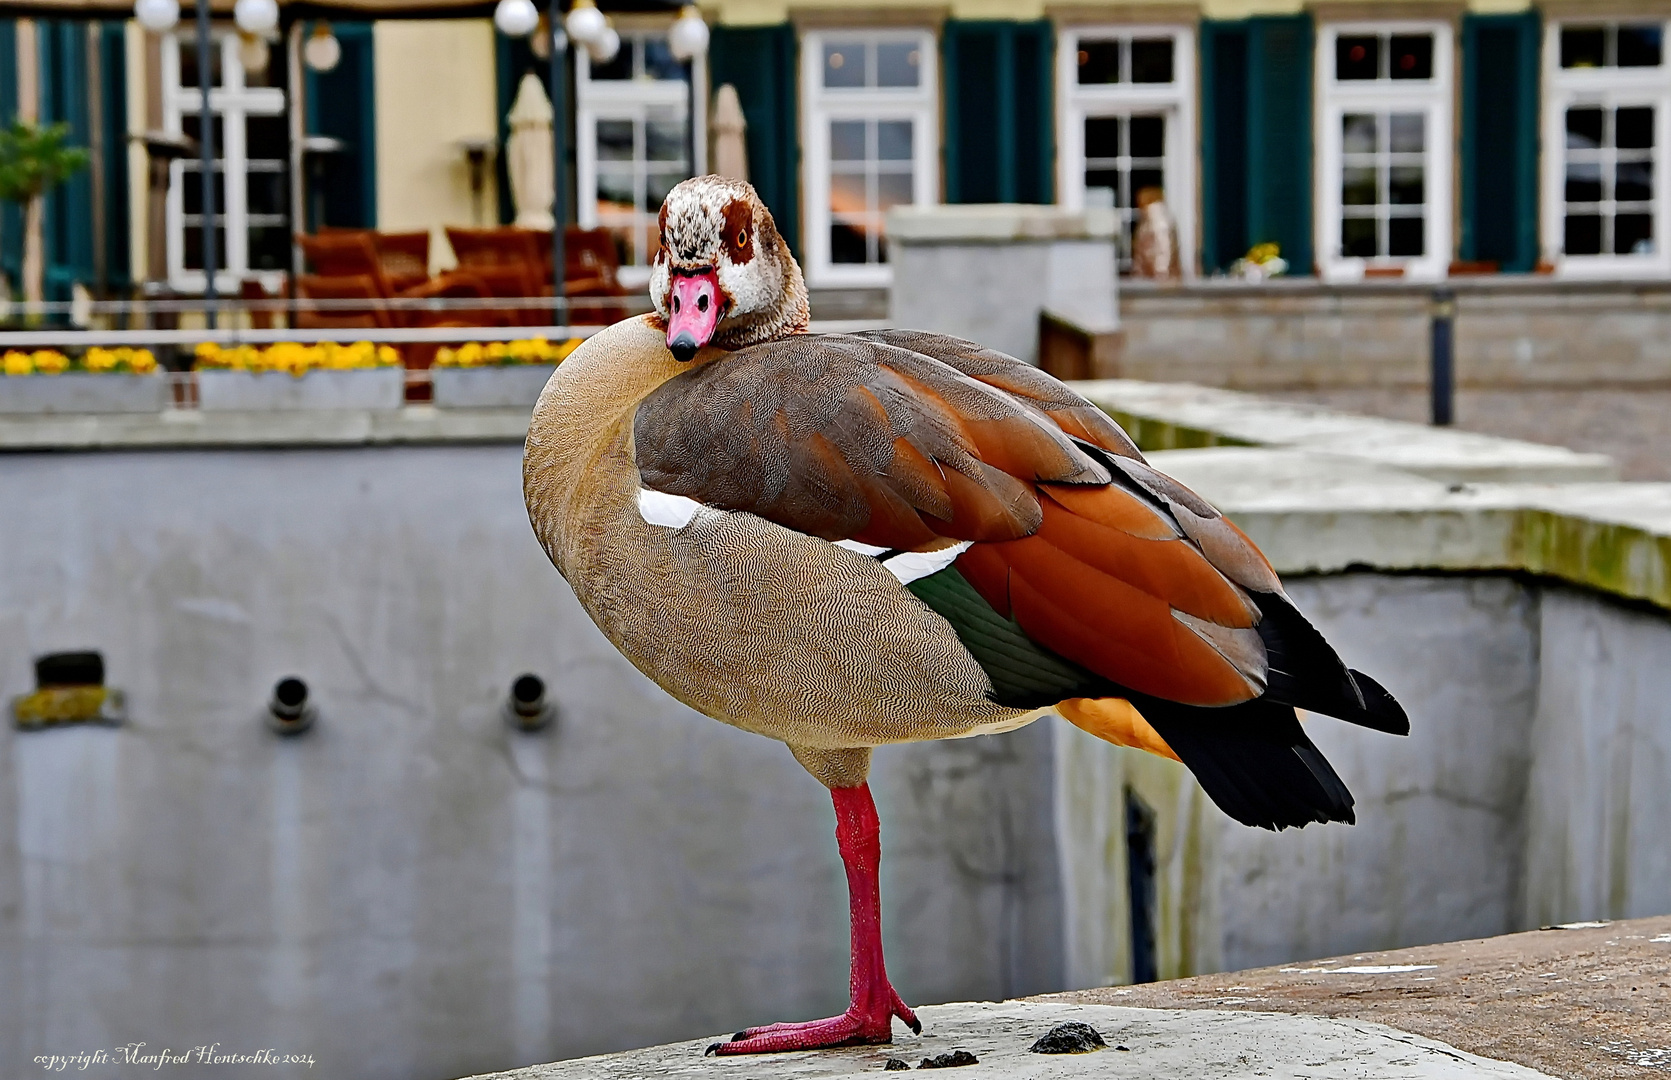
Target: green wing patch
{"type": "Point", "coordinates": [1024, 674]}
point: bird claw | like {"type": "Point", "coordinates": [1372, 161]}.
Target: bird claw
{"type": "Point", "coordinates": [852, 1028]}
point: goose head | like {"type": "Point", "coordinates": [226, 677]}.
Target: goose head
{"type": "Point", "coordinates": [723, 276]}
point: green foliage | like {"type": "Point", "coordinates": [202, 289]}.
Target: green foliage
{"type": "Point", "coordinates": [34, 160]}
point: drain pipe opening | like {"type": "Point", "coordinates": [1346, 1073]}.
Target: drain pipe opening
{"type": "Point", "coordinates": [526, 708]}
{"type": "Point", "coordinates": [289, 712]}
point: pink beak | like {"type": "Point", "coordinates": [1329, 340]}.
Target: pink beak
{"type": "Point", "coordinates": [695, 311]}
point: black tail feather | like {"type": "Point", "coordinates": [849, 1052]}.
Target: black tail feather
{"type": "Point", "coordinates": [1253, 761]}
{"type": "Point", "coordinates": [1306, 672]}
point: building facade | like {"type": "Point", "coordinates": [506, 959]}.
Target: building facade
{"type": "Point", "coordinates": [1415, 139]}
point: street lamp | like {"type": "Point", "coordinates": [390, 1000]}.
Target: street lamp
{"type": "Point", "coordinates": [516, 18]}
{"type": "Point", "coordinates": [157, 16]}
{"type": "Point", "coordinates": [688, 39]}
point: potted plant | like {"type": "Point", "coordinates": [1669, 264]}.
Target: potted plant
{"type": "Point", "coordinates": [291, 376]}
{"type": "Point", "coordinates": [99, 381]}
{"type": "Point", "coordinates": [33, 161]}
{"type": "Point", "coordinates": [498, 375]}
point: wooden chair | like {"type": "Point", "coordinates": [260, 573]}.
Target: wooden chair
{"type": "Point", "coordinates": [345, 253]}
{"type": "Point", "coordinates": [374, 316]}
{"type": "Point", "coordinates": [591, 270]}
{"type": "Point", "coordinates": [404, 257]}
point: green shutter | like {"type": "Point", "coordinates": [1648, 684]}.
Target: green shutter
{"type": "Point", "coordinates": [1500, 139]}
{"type": "Point", "coordinates": [760, 62]}
{"type": "Point", "coordinates": [1000, 132]}
{"type": "Point", "coordinates": [68, 227]}
{"type": "Point", "coordinates": [112, 59]}
{"type": "Point", "coordinates": [342, 103]}
{"type": "Point", "coordinates": [1257, 138]}
{"type": "Point", "coordinates": [11, 216]}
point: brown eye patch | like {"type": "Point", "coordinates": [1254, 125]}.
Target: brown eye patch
{"type": "Point", "coordinates": [739, 232]}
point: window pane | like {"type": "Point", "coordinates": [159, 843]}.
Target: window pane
{"type": "Point", "coordinates": [1358, 133]}
{"type": "Point", "coordinates": [893, 189]}
{"type": "Point", "coordinates": [194, 247]}
{"type": "Point", "coordinates": [1357, 186]}
{"type": "Point", "coordinates": [188, 66]}
{"type": "Point", "coordinates": [1412, 56]}
{"type": "Point", "coordinates": [1151, 60]}
{"type": "Point", "coordinates": [893, 140]}
{"type": "Point", "coordinates": [1357, 57]}
{"type": "Point", "coordinates": [659, 62]}
{"type": "Point", "coordinates": [847, 193]}
{"type": "Point", "coordinates": [664, 138]}
{"type": "Point", "coordinates": [615, 140]}
{"type": "Point", "coordinates": [844, 64]}
{"type": "Point", "coordinates": [1583, 234]}
{"type": "Point", "coordinates": [1404, 236]}
{"type": "Point", "coordinates": [1148, 136]}
{"type": "Point", "coordinates": [1406, 185]}
{"type": "Point", "coordinates": [621, 66]}
{"type": "Point", "coordinates": [1099, 62]}
{"type": "Point", "coordinates": [1143, 179]}
{"type": "Point", "coordinates": [1357, 238]}
{"type": "Point", "coordinates": [1583, 129]}
{"type": "Point", "coordinates": [1102, 137]}
{"type": "Point", "coordinates": [1405, 134]}
{"type": "Point", "coordinates": [191, 188]}
{"type": "Point", "coordinates": [1633, 128]}
{"type": "Point", "coordinates": [1639, 46]}
{"type": "Point", "coordinates": [269, 247]}
{"type": "Point", "coordinates": [1633, 181]}
{"type": "Point", "coordinates": [898, 63]}
{"type": "Point", "coordinates": [264, 137]}
{"type": "Point", "coordinates": [265, 192]}
{"type": "Point", "coordinates": [847, 140]}
{"type": "Point", "coordinates": [1583, 181]}
{"type": "Point", "coordinates": [614, 191]}
{"type": "Point", "coordinates": [847, 243]}
{"type": "Point", "coordinates": [658, 184]}
{"type": "Point", "coordinates": [1102, 180]}
{"type": "Point", "coordinates": [191, 125]}
{"type": "Point", "coordinates": [1633, 234]}
{"type": "Point", "coordinates": [1583, 47]}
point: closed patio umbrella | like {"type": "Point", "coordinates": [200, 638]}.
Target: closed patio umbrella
{"type": "Point", "coordinates": [730, 151]}
{"type": "Point", "coordinates": [528, 156]}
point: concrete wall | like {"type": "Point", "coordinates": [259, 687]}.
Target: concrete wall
{"type": "Point", "coordinates": [1303, 333]}
{"type": "Point", "coordinates": [412, 890]}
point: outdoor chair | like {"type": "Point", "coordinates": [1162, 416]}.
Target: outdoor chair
{"type": "Point", "coordinates": [358, 253]}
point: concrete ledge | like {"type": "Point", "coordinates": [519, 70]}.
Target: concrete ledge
{"type": "Point", "coordinates": [192, 429]}
{"type": "Point", "coordinates": [1592, 1000]}
{"type": "Point", "coordinates": [1168, 416]}
{"type": "Point", "coordinates": [987, 223]}
{"type": "Point", "coordinates": [1152, 1044]}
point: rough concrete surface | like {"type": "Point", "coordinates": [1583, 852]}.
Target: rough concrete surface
{"type": "Point", "coordinates": [1592, 1000]}
{"type": "Point", "coordinates": [1154, 1044]}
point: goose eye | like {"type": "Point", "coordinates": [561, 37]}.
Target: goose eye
{"type": "Point", "coordinates": [742, 238]}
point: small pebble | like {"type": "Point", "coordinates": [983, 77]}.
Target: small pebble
{"type": "Point", "coordinates": [1127, 1048]}
{"type": "Point", "coordinates": [1069, 1038]}
{"type": "Point", "coordinates": [950, 1061]}
{"type": "Point", "coordinates": [896, 1065]}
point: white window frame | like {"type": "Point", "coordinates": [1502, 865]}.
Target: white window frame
{"type": "Point", "coordinates": [1175, 100]}
{"type": "Point", "coordinates": [1610, 88]}
{"type": "Point", "coordinates": [233, 102]}
{"type": "Point", "coordinates": [611, 99]}
{"type": "Point", "coordinates": [1435, 98]}
{"type": "Point", "coordinates": [820, 106]}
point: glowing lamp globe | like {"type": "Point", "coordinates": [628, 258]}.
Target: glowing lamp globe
{"type": "Point", "coordinates": [516, 18]}
{"type": "Point", "coordinates": [256, 16]}
{"type": "Point", "coordinates": [586, 24]}
{"type": "Point", "coordinates": [689, 36]}
{"type": "Point", "coordinates": [157, 16]}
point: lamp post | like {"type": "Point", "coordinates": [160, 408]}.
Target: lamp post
{"type": "Point", "coordinates": [207, 143]}
{"type": "Point", "coordinates": [559, 130]}
{"type": "Point", "coordinates": [688, 39]}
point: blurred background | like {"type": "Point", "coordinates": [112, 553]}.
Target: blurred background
{"type": "Point", "coordinates": [309, 747]}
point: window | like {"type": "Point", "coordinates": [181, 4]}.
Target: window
{"type": "Point", "coordinates": [1609, 96]}
{"type": "Point", "coordinates": [249, 173]}
{"type": "Point", "coordinates": [1127, 126]}
{"type": "Point", "coordinates": [871, 144]}
{"type": "Point", "coordinates": [634, 145]}
{"type": "Point", "coordinates": [1384, 167]}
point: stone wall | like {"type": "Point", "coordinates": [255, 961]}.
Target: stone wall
{"type": "Point", "coordinates": [1301, 333]}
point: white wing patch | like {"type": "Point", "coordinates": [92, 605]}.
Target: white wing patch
{"type": "Point", "coordinates": [669, 511]}
{"type": "Point", "coordinates": [677, 511]}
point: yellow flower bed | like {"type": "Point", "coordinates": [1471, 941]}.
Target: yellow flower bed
{"type": "Point", "coordinates": [500, 353]}
{"type": "Point", "coordinates": [296, 359]}
{"type": "Point", "coordinates": [123, 361]}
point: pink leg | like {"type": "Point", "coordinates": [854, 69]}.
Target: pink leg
{"type": "Point", "coordinates": [869, 1019]}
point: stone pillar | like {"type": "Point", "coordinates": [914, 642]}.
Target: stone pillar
{"type": "Point", "coordinates": [986, 272]}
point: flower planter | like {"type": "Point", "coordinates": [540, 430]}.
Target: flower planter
{"type": "Point", "coordinates": [510, 386]}
{"type": "Point", "coordinates": [83, 392]}
{"type": "Point", "coordinates": [267, 391]}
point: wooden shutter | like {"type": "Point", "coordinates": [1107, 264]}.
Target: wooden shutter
{"type": "Point", "coordinates": [999, 108]}
{"type": "Point", "coordinates": [760, 62]}
{"type": "Point", "coordinates": [342, 103]}
{"type": "Point", "coordinates": [1500, 139]}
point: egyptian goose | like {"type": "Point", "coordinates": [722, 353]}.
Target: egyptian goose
{"type": "Point", "coordinates": [843, 541]}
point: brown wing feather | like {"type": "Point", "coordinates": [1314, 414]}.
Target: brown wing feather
{"type": "Point", "coordinates": [843, 437]}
